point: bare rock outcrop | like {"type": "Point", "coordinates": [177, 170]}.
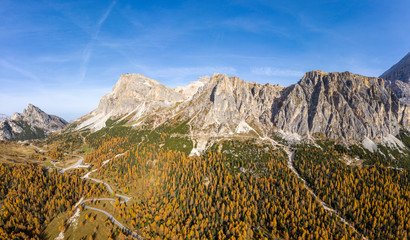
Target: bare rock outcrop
{"type": "Point", "coordinates": [341, 106]}
{"type": "Point", "coordinates": [132, 97]}
{"type": "Point", "coordinates": [398, 78]}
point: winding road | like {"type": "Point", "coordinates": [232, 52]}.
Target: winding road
{"type": "Point", "coordinates": [79, 164]}
{"type": "Point", "coordinates": [126, 199]}
{"type": "Point", "coordinates": [291, 156]}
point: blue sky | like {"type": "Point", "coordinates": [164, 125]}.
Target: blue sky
{"type": "Point", "coordinates": [63, 56]}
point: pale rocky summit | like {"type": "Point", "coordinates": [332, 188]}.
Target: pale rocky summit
{"type": "Point", "coordinates": [132, 96]}
{"type": "Point", "coordinates": [398, 78]}
{"type": "Point", "coordinates": [32, 123]}
{"type": "Point", "coordinates": [190, 90]}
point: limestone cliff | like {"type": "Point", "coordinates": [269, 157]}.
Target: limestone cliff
{"type": "Point", "coordinates": [343, 106]}
{"type": "Point", "coordinates": [132, 97]}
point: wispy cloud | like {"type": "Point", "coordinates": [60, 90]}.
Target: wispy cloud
{"type": "Point", "coordinates": [277, 72]}
{"type": "Point", "coordinates": [14, 68]}
{"type": "Point", "coordinates": [90, 45]}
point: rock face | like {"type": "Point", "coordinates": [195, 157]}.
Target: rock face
{"type": "Point", "coordinates": [132, 97]}
{"type": "Point", "coordinates": [32, 123]}
{"type": "Point", "coordinates": [339, 105]}
{"type": "Point", "coordinates": [398, 77]}
{"type": "Point", "coordinates": [229, 105]}
{"type": "Point", "coordinates": [343, 106]}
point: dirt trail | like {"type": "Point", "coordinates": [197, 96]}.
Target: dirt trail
{"type": "Point", "coordinates": [291, 156]}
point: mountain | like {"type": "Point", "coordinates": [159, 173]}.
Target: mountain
{"type": "Point", "coordinates": [398, 77]}
{"type": "Point", "coordinates": [132, 97]}
{"type": "Point", "coordinates": [32, 123]}
{"type": "Point", "coordinates": [3, 116]}
{"type": "Point", "coordinates": [338, 105]}
{"type": "Point", "coordinates": [341, 106]}
{"type": "Point", "coordinates": [189, 90]}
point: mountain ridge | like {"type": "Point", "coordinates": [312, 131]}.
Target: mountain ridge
{"type": "Point", "coordinates": [30, 124]}
{"type": "Point", "coordinates": [344, 106]}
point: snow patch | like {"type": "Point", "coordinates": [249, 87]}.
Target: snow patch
{"type": "Point", "coordinates": [369, 144]}
{"type": "Point", "coordinates": [243, 127]}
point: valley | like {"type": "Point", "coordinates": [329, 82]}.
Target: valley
{"type": "Point", "coordinates": [159, 182]}
{"type": "Point", "coordinates": [204, 120]}
{"type": "Point", "coordinates": [221, 159]}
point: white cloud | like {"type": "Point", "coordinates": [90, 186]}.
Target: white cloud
{"type": "Point", "coordinates": [269, 71]}
{"type": "Point", "coordinates": [90, 45]}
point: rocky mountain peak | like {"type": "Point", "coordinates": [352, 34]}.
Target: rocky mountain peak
{"type": "Point", "coordinates": [190, 90]}
{"type": "Point", "coordinates": [132, 82]}
{"type": "Point", "coordinates": [132, 90]}
{"type": "Point", "coordinates": [398, 77]}
{"type": "Point", "coordinates": [132, 96]}
{"type": "Point", "coordinates": [399, 71]}
{"type": "Point", "coordinates": [32, 123]}
{"type": "Point", "coordinates": [15, 116]}
{"type": "Point", "coordinates": [316, 76]}
{"type": "Point", "coordinates": [34, 113]}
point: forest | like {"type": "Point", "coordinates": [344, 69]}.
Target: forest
{"type": "Point", "coordinates": [31, 196]}
{"type": "Point", "coordinates": [239, 188]}
{"type": "Point", "coordinates": [243, 189]}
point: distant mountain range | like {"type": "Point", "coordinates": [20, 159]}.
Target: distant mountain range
{"type": "Point", "coordinates": [31, 124]}
{"type": "Point", "coordinates": [3, 116]}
